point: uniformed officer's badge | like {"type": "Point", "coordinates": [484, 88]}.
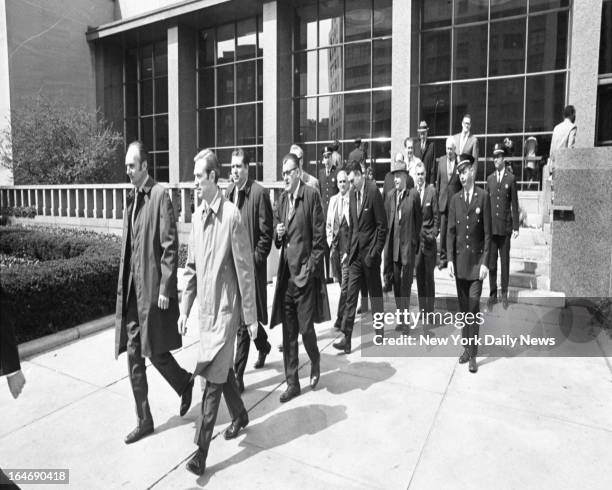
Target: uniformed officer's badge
{"type": "Point", "coordinates": [477, 210]}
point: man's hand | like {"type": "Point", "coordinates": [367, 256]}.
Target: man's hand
{"type": "Point", "coordinates": [515, 234]}
{"type": "Point", "coordinates": [163, 302]}
{"type": "Point", "coordinates": [484, 270]}
{"type": "Point", "coordinates": [252, 328]}
{"type": "Point", "coordinates": [182, 324]}
{"type": "Point", "coordinates": [451, 270]}
{"type": "Point", "coordinates": [16, 381]}
{"type": "Point", "coordinates": [280, 230]}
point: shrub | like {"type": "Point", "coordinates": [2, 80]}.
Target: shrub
{"type": "Point", "coordinates": [74, 282]}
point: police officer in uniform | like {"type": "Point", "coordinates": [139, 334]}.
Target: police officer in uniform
{"type": "Point", "coordinates": [501, 186]}
{"type": "Point", "coordinates": [329, 187]}
{"type": "Point", "coordinates": [468, 244]}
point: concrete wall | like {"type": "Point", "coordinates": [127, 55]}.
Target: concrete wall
{"type": "Point", "coordinates": [131, 8]}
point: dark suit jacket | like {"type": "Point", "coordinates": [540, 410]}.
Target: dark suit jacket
{"type": "Point", "coordinates": [471, 145]}
{"type": "Point", "coordinates": [504, 204]}
{"type": "Point", "coordinates": [431, 221]}
{"type": "Point", "coordinates": [428, 158]}
{"type": "Point", "coordinates": [256, 212]}
{"type": "Point", "coordinates": [409, 230]}
{"type": "Point", "coordinates": [446, 188]}
{"type": "Point", "coordinates": [368, 227]}
{"type": "Point", "coordinates": [302, 248]}
{"type": "Point", "coordinates": [9, 355]}
{"type": "Point", "coordinates": [469, 233]}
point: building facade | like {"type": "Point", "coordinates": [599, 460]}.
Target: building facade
{"type": "Point", "coordinates": [187, 75]}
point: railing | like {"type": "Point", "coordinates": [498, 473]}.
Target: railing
{"type": "Point", "coordinates": [101, 201]}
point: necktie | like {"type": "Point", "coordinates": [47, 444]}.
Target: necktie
{"type": "Point", "coordinates": [421, 193]}
{"type": "Point", "coordinates": [340, 209]}
{"type": "Point", "coordinates": [358, 201]}
{"type": "Point", "coordinates": [291, 208]}
{"type": "Point", "coordinates": [467, 198]}
{"type": "Point", "coordinates": [449, 166]}
{"type": "Point", "coordinates": [499, 176]}
{"type": "Point", "coordinates": [240, 200]}
{"type": "Point", "coordinates": [135, 207]}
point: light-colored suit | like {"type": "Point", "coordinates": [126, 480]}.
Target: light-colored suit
{"type": "Point", "coordinates": [564, 136]}
{"type": "Point", "coordinates": [470, 146]}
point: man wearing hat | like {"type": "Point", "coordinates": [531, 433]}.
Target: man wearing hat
{"type": "Point", "coordinates": [424, 149]}
{"type": "Point", "coordinates": [404, 219]}
{"type": "Point", "coordinates": [329, 187]}
{"type": "Point", "coordinates": [309, 180]}
{"type": "Point", "coordinates": [501, 186]}
{"type": "Point", "coordinates": [447, 184]}
{"type": "Point", "coordinates": [468, 244]}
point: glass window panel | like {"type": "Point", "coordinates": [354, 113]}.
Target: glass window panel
{"type": "Point", "coordinates": [471, 11]}
{"type": "Point", "coordinates": [306, 113]}
{"type": "Point", "coordinates": [245, 125]}
{"type": "Point", "coordinates": [547, 48]}
{"type": "Point", "coordinates": [437, 13]}
{"type": "Point", "coordinates": [260, 36]}
{"type": "Point", "coordinates": [309, 161]}
{"type": "Point", "coordinates": [507, 8]}
{"type": "Point", "coordinates": [225, 43]}
{"type": "Point", "coordinates": [357, 115]}
{"type": "Point", "coordinates": [161, 59]}
{"type": "Point", "coordinates": [246, 38]}
{"type": "Point", "coordinates": [604, 109]}
{"type": "Point", "coordinates": [605, 44]}
{"type": "Point", "coordinates": [162, 172]}
{"type": "Point", "coordinates": [436, 56]}
{"type": "Point", "coordinates": [245, 81]}
{"type": "Point", "coordinates": [260, 124]}
{"type": "Point", "coordinates": [357, 66]}
{"type": "Point", "coordinates": [381, 114]}
{"type": "Point", "coordinates": [131, 99]}
{"type": "Point", "coordinates": [545, 101]}
{"type": "Point", "coordinates": [469, 98]}
{"type": "Point", "coordinates": [146, 132]}
{"type": "Point", "coordinates": [146, 97]}
{"type": "Point", "coordinates": [435, 108]}
{"type": "Point", "coordinates": [306, 26]}
{"type": "Point", "coordinates": [470, 52]}
{"type": "Point", "coordinates": [131, 65]}
{"type": "Point", "coordinates": [330, 70]}
{"type": "Point", "coordinates": [225, 158]}
{"type": "Point", "coordinates": [358, 19]}
{"type": "Point", "coordinates": [382, 63]}
{"type": "Point", "coordinates": [225, 85]}
{"type": "Point", "coordinates": [306, 73]}
{"type": "Point", "coordinates": [383, 18]}
{"type": "Point", "coordinates": [330, 22]}
{"type": "Point", "coordinates": [259, 80]}
{"type": "Point", "coordinates": [161, 95]}
{"type": "Point", "coordinates": [131, 130]}
{"type": "Point", "coordinates": [507, 54]}
{"type": "Point", "coordinates": [206, 128]}
{"type": "Point", "coordinates": [330, 120]}
{"type": "Point", "coordinates": [225, 126]}
{"type": "Point", "coordinates": [506, 105]}
{"type": "Point", "coordinates": [161, 133]}
{"type": "Point", "coordinates": [206, 47]}
{"type": "Point", "coordinates": [146, 61]}
{"type": "Point", "coordinates": [535, 5]}
{"type": "Point", "coordinates": [206, 87]}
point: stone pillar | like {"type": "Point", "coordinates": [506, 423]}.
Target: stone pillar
{"type": "Point", "coordinates": [182, 127]}
{"type": "Point", "coordinates": [6, 176]}
{"type": "Point", "coordinates": [584, 64]}
{"type": "Point", "coordinates": [277, 83]}
{"type": "Point", "coordinates": [401, 72]}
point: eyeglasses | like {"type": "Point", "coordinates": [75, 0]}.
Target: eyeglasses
{"type": "Point", "coordinates": [420, 173]}
{"type": "Point", "coordinates": [288, 172]}
{"type": "Point", "coordinates": [342, 182]}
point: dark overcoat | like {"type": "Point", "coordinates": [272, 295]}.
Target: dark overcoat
{"type": "Point", "coordinates": [150, 266]}
{"type": "Point", "coordinates": [302, 248]}
{"type": "Point", "coordinates": [256, 212]}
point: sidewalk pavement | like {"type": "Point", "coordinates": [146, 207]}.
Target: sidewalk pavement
{"type": "Point", "coordinates": [378, 422]}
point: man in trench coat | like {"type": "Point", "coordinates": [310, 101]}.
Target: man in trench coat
{"type": "Point", "coordinates": [219, 270]}
{"type": "Point", "coordinates": [147, 299]}
{"type": "Point", "coordinates": [300, 298]}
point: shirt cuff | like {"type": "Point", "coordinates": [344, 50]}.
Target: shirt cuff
{"type": "Point", "coordinates": [13, 373]}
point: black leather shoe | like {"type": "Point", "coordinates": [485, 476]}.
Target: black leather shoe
{"type": "Point", "coordinates": [315, 374]}
{"type": "Point", "coordinates": [186, 399]}
{"type": "Point", "coordinates": [261, 358]}
{"type": "Point", "coordinates": [344, 344]}
{"type": "Point", "coordinates": [473, 365]}
{"type": "Point", "coordinates": [505, 300]}
{"type": "Point", "coordinates": [443, 265]}
{"type": "Point", "coordinates": [142, 430]}
{"type": "Point", "coordinates": [232, 431]}
{"type": "Point", "coordinates": [288, 394]}
{"type": "Point", "coordinates": [465, 357]}
{"type": "Point", "coordinates": [491, 301]}
{"type": "Point", "coordinates": [197, 463]}
{"type": "Point", "coordinates": [240, 383]}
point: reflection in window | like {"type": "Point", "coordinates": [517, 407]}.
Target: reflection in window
{"type": "Point", "coordinates": [468, 99]}
{"type": "Point", "coordinates": [507, 54]}
{"type": "Point", "coordinates": [470, 52]}
{"type": "Point", "coordinates": [505, 105]}
{"type": "Point", "coordinates": [545, 101]}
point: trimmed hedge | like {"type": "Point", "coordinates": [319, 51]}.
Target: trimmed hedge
{"type": "Point", "coordinates": [74, 282]}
